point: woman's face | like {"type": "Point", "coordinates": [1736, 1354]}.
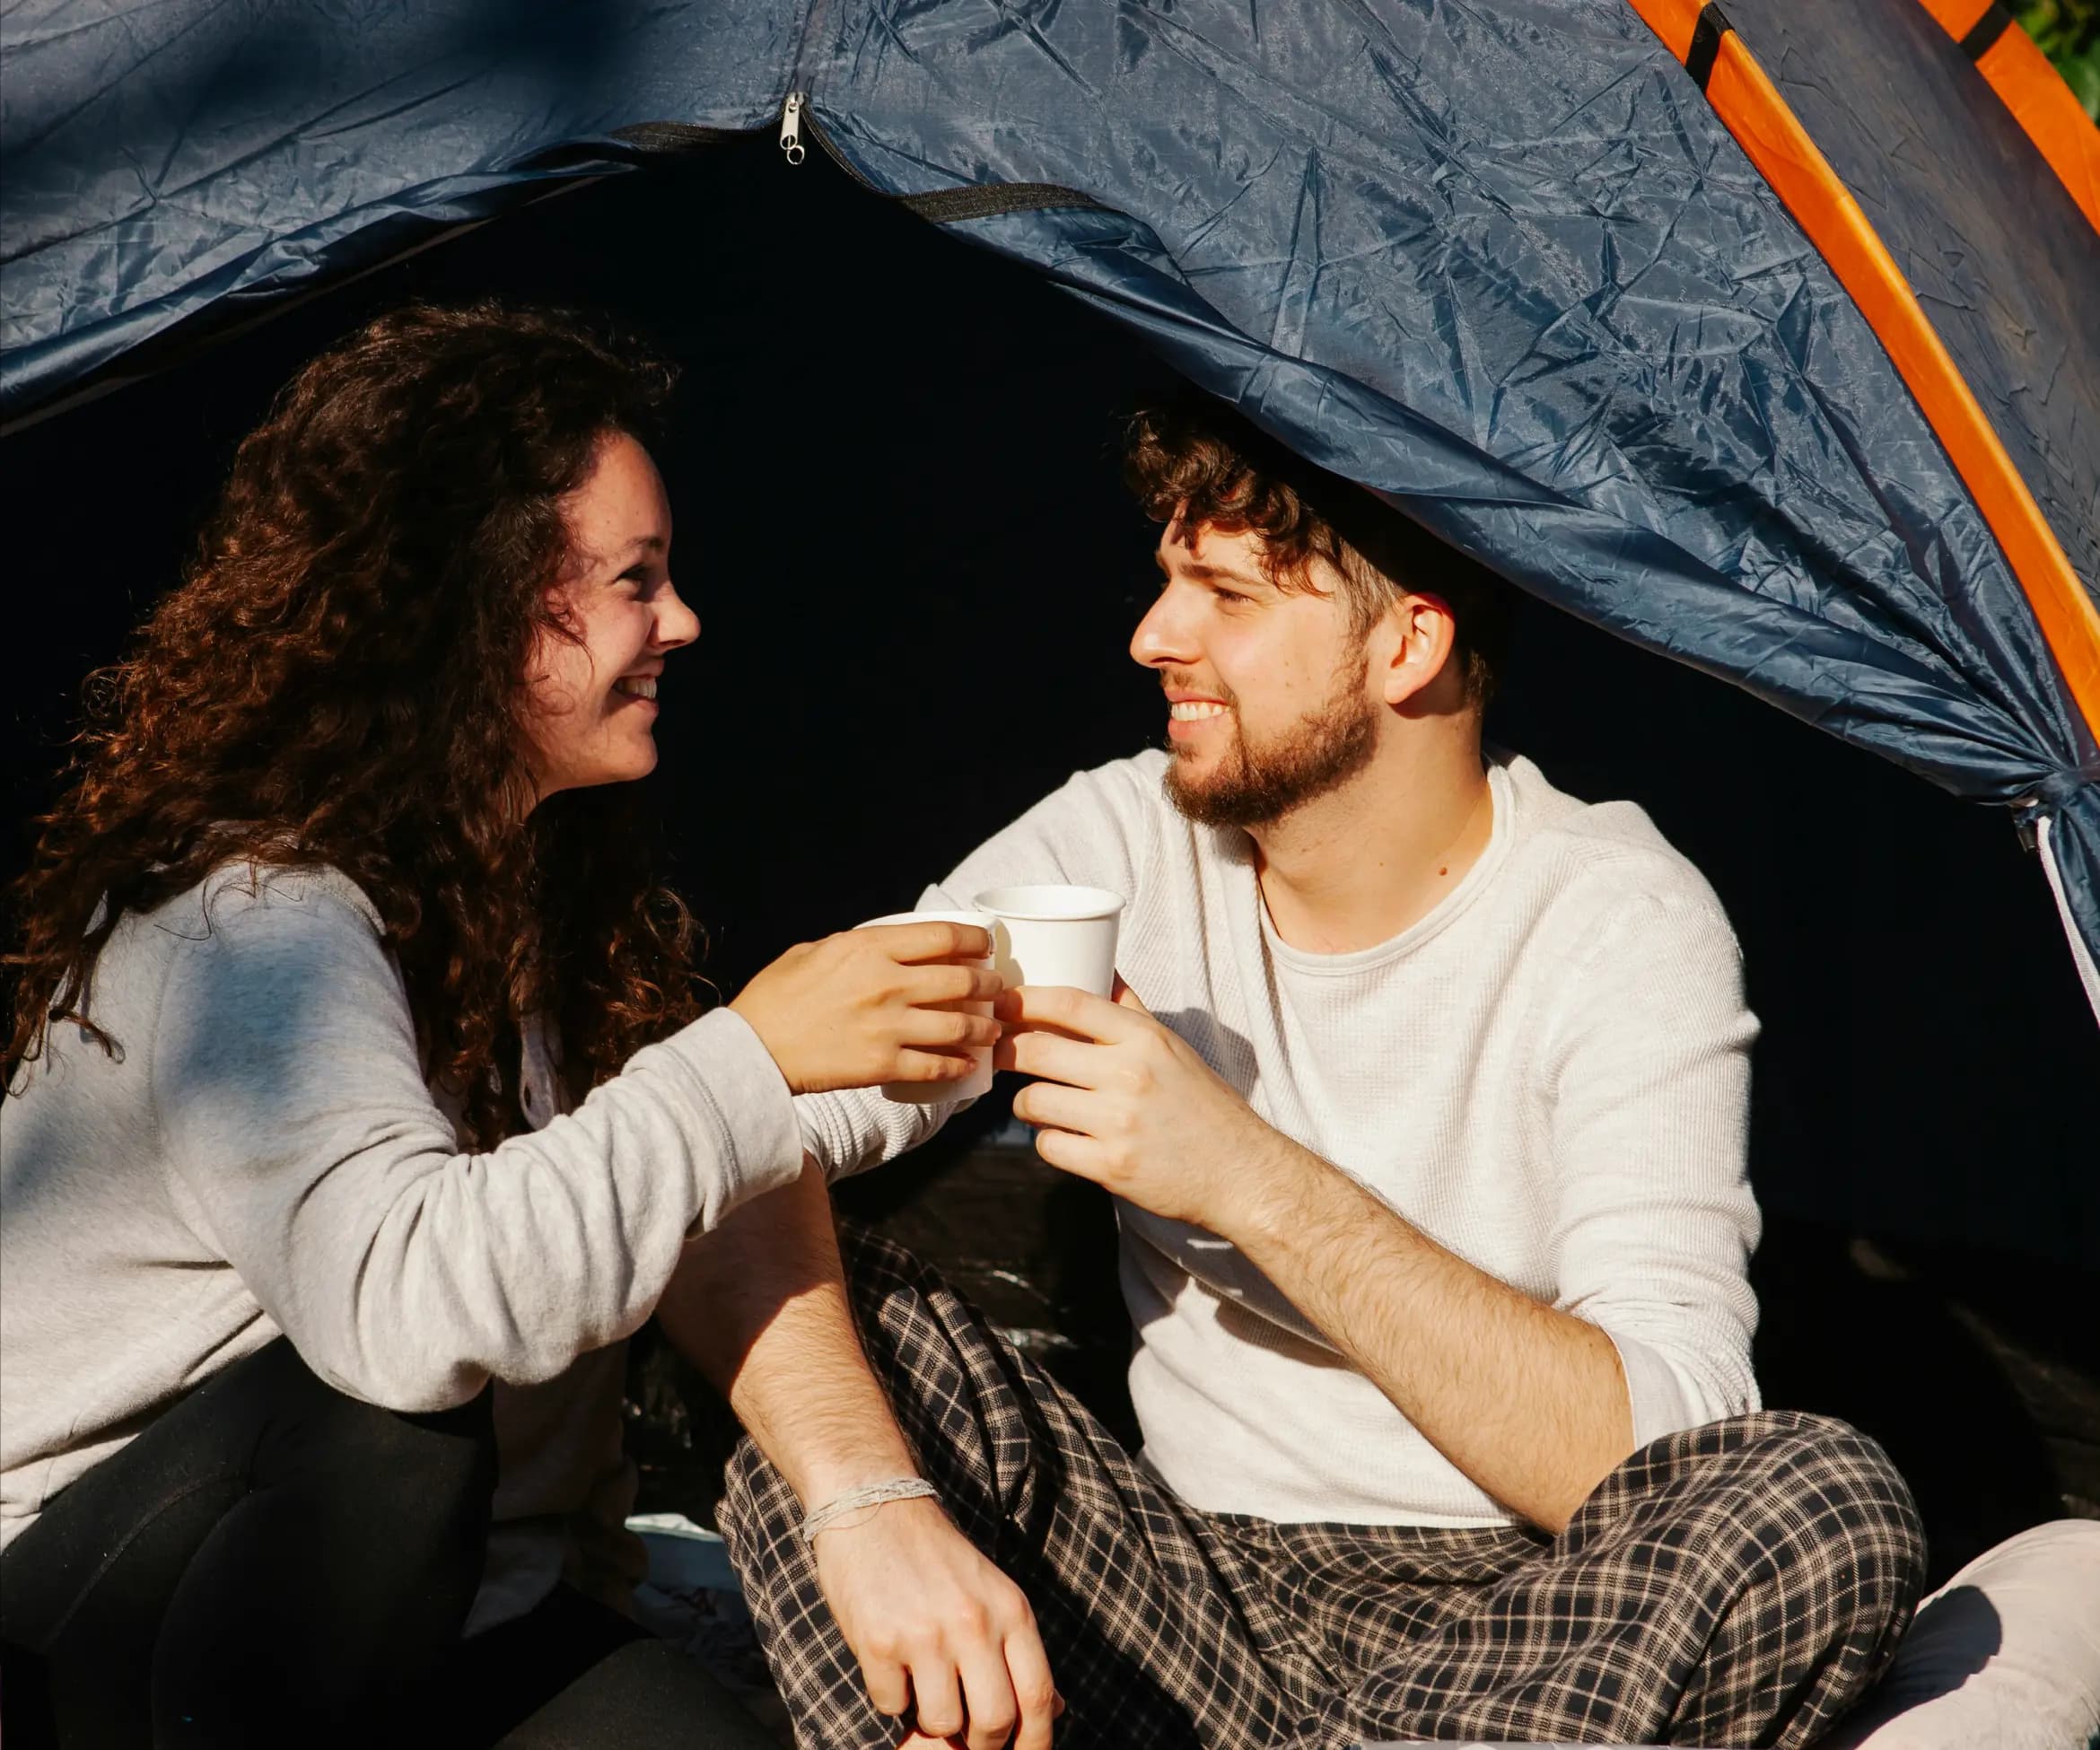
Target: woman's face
{"type": "Point", "coordinates": [591, 706]}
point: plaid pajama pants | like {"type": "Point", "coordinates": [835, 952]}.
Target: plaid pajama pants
{"type": "Point", "coordinates": [1736, 1584]}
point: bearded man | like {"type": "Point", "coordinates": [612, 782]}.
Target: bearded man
{"type": "Point", "coordinates": [1425, 1106]}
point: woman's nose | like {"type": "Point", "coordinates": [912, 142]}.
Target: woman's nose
{"type": "Point", "coordinates": [676, 623]}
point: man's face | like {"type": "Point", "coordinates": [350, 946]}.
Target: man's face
{"type": "Point", "coordinates": [1268, 703]}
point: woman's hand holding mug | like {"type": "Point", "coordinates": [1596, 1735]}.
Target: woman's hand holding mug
{"type": "Point", "coordinates": [875, 1004]}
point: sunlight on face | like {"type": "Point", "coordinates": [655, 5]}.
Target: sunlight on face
{"type": "Point", "coordinates": [1267, 700]}
{"type": "Point", "coordinates": [591, 704]}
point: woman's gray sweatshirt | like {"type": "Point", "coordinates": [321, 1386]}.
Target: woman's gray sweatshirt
{"type": "Point", "coordinates": [260, 1155]}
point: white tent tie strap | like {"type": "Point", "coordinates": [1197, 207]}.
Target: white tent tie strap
{"type": "Point", "coordinates": [2081, 955]}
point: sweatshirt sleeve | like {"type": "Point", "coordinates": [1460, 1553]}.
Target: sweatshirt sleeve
{"type": "Point", "coordinates": [302, 1140]}
{"type": "Point", "coordinates": [1648, 1070]}
{"type": "Point", "coordinates": [1094, 832]}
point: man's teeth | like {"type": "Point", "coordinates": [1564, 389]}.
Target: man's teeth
{"type": "Point", "coordinates": [1191, 711]}
{"type": "Point", "coordinates": [643, 687]}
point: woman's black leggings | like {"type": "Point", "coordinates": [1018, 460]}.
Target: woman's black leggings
{"type": "Point", "coordinates": [271, 1562]}
{"type": "Point", "coordinates": [266, 1562]}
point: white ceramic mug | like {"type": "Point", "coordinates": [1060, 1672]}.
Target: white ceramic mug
{"type": "Point", "coordinates": [979, 1080]}
{"type": "Point", "coordinates": [1054, 935]}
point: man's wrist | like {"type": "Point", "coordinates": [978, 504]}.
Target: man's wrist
{"type": "Point", "coordinates": [841, 1508]}
{"type": "Point", "coordinates": [835, 1474]}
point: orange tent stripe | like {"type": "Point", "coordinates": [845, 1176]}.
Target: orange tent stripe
{"type": "Point", "coordinates": [1673, 20]}
{"type": "Point", "coordinates": [2043, 105]}
{"type": "Point", "coordinates": [1957, 18]}
{"type": "Point", "coordinates": [1769, 132]}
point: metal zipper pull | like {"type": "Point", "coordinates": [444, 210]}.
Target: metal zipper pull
{"type": "Point", "coordinates": [791, 127]}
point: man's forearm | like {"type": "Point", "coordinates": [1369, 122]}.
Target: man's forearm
{"type": "Point", "coordinates": [940, 1633]}
{"type": "Point", "coordinates": [1529, 1402]}
{"type": "Point", "coordinates": [759, 1306]}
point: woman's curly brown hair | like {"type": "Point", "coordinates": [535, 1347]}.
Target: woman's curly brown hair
{"type": "Point", "coordinates": [339, 679]}
{"type": "Point", "coordinates": [1194, 458]}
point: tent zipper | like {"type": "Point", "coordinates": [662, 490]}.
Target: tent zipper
{"type": "Point", "coordinates": [797, 123]}
{"type": "Point", "coordinates": [791, 128]}
{"type": "Point", "coordinates": [793, 116]}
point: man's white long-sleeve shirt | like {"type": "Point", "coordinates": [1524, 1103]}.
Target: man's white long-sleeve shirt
{"type": "Point", "coordinates": [1548, 1075]}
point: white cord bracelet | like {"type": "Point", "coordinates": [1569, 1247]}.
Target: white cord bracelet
{"type": "Point", "coordinates": [902, 1488]}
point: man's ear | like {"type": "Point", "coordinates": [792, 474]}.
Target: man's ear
{"type": "Point", "coordinates": [1412, 648]}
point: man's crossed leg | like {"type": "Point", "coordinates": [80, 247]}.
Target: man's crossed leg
{"type": "Point", "coordinates": [1735, 1584]}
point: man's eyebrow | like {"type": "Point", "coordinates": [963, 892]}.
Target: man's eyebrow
{"type": "Point", "coordinates": [650, 542]}
{"type": "Point", "coordinates": [1203, 572]}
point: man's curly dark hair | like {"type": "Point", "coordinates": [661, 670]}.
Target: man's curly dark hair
{"type": "Point", "coordinates": [339, 679]}
{"type": "Point", "coordinates": [1195, 457]}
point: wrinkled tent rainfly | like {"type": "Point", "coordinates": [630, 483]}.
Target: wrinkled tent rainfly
{"type": "Point", "coordinates": [1758, 342]}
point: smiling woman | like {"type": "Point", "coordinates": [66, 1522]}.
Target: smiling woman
{"type": "Point", "coordinates": [592, 680]}
{"type": "Point", "coordinates": [362, 1104]}
{"type": "Point", "coordinates": [336, 682]}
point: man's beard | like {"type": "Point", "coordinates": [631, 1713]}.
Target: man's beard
{"type": "Point", "coordinates": [1255, 787]}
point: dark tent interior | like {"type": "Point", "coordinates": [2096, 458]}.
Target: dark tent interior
{"type": "Point", "coordinates": [900, 515]}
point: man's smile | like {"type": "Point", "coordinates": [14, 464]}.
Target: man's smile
{"type": "Point", "coordinates": [1186, 710]}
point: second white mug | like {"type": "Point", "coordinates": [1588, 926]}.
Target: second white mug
{"type": "Point", "coordinates": [1051, 934]}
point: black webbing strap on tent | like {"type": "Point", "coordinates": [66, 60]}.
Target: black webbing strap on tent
{"type": "Point", "coordinates": [1984, 34]}
{"type": "Point", "coordinates": [1706, 41]}
{"type": "Point", "coordinates": [987, 200]}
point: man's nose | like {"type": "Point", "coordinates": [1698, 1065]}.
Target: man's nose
{"type": "Point", "coordinates": [1162, 637]}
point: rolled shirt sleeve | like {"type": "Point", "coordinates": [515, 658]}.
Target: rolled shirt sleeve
{"type": "Point", "coordinates": [1649, 1065]}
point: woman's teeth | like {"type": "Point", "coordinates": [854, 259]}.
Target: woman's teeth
{"type": "Point", "coordinates": [1190, 711]}
{"type": "Point", "coordinates": [643, 687]}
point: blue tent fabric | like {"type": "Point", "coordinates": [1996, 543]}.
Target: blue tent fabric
{"type": "Point", "coordinates": [1496, 260]}
{"type": "Point", "coordinates": [171, 157]}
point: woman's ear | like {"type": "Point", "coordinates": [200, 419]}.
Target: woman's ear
{"type": "Point", "coordinates": [1412, 648]}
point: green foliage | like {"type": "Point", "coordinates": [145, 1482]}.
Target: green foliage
{"type": "Point", "coordinates": [2069, 32]}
